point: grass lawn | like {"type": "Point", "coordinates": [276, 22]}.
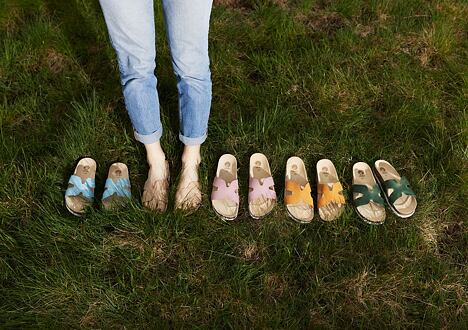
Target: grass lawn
{"type": "Point", "coordinates": [347, 80]}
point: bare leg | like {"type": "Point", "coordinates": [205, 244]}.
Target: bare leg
{"type": "Point", "coordinates": [187, 26]}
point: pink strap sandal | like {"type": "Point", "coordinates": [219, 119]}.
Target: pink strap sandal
{"type": "Point", "coordinates": [262, 195]}
{"type": "Point", "coordinates": [225, 190]}
{"type": "Point", "coordinates": [225, 194]}
{"type": "Point", "coordinates": [263, 188]}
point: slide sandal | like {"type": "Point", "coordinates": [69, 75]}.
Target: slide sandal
{"type": "Point", "coordinates": [330, 199]}
{"type": "Point", "coordinates": [297, 192]}
{"type": "Point", "coordinates": [367, 196]}
{"type": "Point", "coordinates": [80, 191]}
{"type": "Point", "coordinates": [396, 189]}
{"type": "Point", "coordinates": [117, 189]}
{"type": "Point", "coordinates": [225, 193]}
{"type": "Point", "coordinates": [262, 195]}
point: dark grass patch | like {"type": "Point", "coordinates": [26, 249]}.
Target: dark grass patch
{"type": "Point", "coordinates": [322, 21]}
{"type": "Point", "coordinates": [235, 4]}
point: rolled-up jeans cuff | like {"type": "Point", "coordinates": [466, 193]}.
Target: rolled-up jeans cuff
{"type": "Point", "coordinates": [192, 141]}
{"type": "Point", "coordinates": [149, 138]}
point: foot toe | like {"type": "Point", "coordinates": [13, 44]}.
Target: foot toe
{"type": "Point", "coordinates": [155, 196]}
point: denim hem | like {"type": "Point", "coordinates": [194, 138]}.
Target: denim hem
{"type": "Point", "coordinates": [192, 141]}
{"type": "Point", "coordinates": [149, 138]}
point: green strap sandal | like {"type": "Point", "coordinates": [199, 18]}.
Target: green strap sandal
{"type": "Point", "coordinates": [367, 196]}
{"type": "Point", "coordinates": [396, 188]}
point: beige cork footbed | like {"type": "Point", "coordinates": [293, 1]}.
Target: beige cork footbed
{"type": "Point", "coordinates": [259, 168]}
{"type": "Point", "coordinates": [296, 171]}
{"type": "Point", "coordinates": [226, 170]}
{"type": "Point", "coordinates": [372, 212]}
{"type": "Point", "coordinates": [116, 171]}
{"type": "Point", "coordinates": [86, 168]}
{"type": "Point", "coordinates": [327, 175]}
{"type": "Point", "coordinates": [405, 206]}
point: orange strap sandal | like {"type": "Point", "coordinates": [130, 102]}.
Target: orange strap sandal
{"type": "Point", "coordinates": [330, 197]}
{"type": "Point", "coordinates": [327, 196]}
{"type": "Point", "coordinates": [297, 192]}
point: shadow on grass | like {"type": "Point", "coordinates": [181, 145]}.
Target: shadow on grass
{"type": "Point", "coordinates": [91, 54]}
{"type": "Point", "coordinates": [84, 43]}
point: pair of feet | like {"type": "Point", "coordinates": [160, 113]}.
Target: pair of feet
{"type": "Point", "coordinates": [156, 190]}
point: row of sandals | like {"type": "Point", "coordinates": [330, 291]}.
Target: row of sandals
{"type": "Point", "coordinates": [370, 188]}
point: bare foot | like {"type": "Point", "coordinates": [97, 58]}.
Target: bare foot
{"type": "Point", "coordinates": [155, 194]}
{"type": "Point", "coordinates": [188, 196]}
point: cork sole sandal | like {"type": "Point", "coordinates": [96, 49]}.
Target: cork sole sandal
{"type": "Point", "coordinates": [80, 192]}
{"type": "Point", "coordinates": [396, 189]}
{"type": "Point", "coordinates": [367, 196]}
{"type": "Point", "coordinates": [225, 193]}
{"type": "Point", "coordinates": [297, 192]}
{"type": "Point", "coordinates": [117, 190]}
{"type": "Point", "coordinates": [330, 199]}
{"type": "Point", "coordinates": [262, 195]}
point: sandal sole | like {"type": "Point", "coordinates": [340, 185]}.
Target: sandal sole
{"type": "Point", "coordinates": [225, 218]}
{"type": "Point", "coordinates": [298, 220]}
{"type": "Point", "coordinates": [372, 223]}
{"type": "Point", "coordinates": [261, 217]}
{"type": "Point", "coordinates": [73, 212]}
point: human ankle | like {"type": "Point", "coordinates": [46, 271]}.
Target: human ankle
{"type": "Point", "coordinates": [155, 155]}
{"type": "Point", "coordinates": [156, 162]}
{"type": "Point", "coordinates": [157, 172]}
{"type": "Point", "coordinates": [191, 156]}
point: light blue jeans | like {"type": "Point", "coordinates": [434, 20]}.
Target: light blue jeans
{"type": "Point", "coordinates": [132, 33]}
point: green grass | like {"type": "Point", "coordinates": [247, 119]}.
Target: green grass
{"type": "Point", "coordinates": [347, 80]}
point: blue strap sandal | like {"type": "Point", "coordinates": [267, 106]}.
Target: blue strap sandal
{"type": "Point", "coordinates": [80, 192]}
{"type": "Point", "coordinates": [117, 189]}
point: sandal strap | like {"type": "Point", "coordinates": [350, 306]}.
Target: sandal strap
{"type": "Point", "coordinates": [264, 188]}
{"type": "Point", "coordinates": [225, 191]}
{"type": "Point", "coordinates": [368, 194]}
{"type": "Point", "coordinates": [399, 188]}
{"type": "Point", "coordinates": [326, 196]}
{"type": "Point", "coordinates": [120, 187]}
{"type": "Point", "coordinates": [298, 193]}
{"type": "Point", "coordinates": [79, 187]}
